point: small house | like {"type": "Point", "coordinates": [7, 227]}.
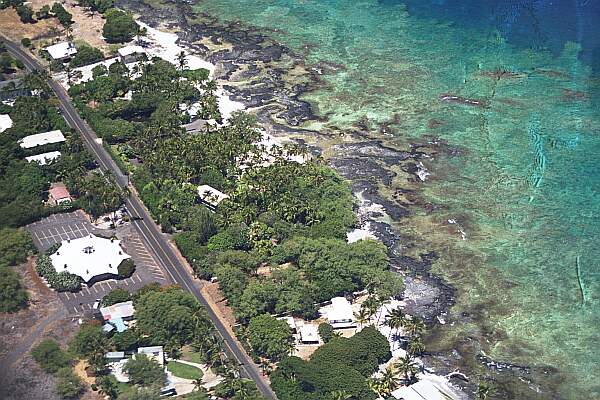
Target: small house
{"type": "Point", "coordinates": [57, 194]}
{"type": "Point", "coordinates": [424, 389]}
{"type": "Point", "coordinates": [309, 334]}
{"type": "Point", "coordinates": [114, 356]}
{"type": "Point", "coordinates": [341, 315]}
{"type": "Point", "coordinates": [153, 352]}
{"type": "Point", "coordinates": [123, 311]}
{"type": "Point", "coordinates": [131, 54]}
{"type": "Point", "coordinates": [61, 51]}
{"type": "Point", "coordinates": [211, 196]}
{"type": "Point", "coordinates": [44, 159]}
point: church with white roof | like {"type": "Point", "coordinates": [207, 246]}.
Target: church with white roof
{"type": "Point", "coordinates": [91, 257]}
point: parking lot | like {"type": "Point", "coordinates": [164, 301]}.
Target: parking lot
{"type": "Point", "coordinates": [59, 227]}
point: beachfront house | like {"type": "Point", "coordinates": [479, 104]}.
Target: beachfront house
{"type": "Point", "coordinates": [58, 194]}
{"type": "Point", "coordinates": [5, 122]}
{"type": "Point", "coordinates": [131, 54]}
{"type": "Point", "coordinates": [61, 51]}
{"type": "Point", "coordinates": [424, 389]}
{"type": "Point", "coordinates": [91, 257]}
{"type": "Point", "coordinates": [309, 334]}
{"type": "Point", "coordinates": [210, 196]}
{"type": "Point", "coordinates": [340, 314]}
{"type": "Point", "coordinates": [42, 139]}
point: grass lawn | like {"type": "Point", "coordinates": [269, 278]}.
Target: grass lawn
{"type": "Point", "coordinates": [190, 355]}
{"type": "Point", "coordinates": [184, 371]}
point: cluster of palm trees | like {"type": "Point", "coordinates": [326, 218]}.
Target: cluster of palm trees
{"type": "Point", "coordinates": [402, 372]}
{"type": "Point", "coordinates": [406, 328]}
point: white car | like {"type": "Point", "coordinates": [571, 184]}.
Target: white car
{"type": "Point", "coordinates": [96, 305]}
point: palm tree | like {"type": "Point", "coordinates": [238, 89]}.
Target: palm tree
{"type": "Point", "coordinates": [414, 327]}
{"type": "Point", "coordinates": [395, 319]}
{"type": "Point", "coordinates": [362, 317]}
{"type": "Point", "coordinates": [416, 346]}
{"type": "Point", "coordinates": [407, 367]}
{"type": "Point", "coordinates": [389, 380]}
{"type": "Point", "coordinates": [483, 391]}
{"type": "Point", "coordinates": [340, 395]}
{"type": "Point", "coordinates": [198, 384]}
{"type": "Point", "coordinates": [376, 386]}
{"type": "Point", "coordinates": [182, 60]}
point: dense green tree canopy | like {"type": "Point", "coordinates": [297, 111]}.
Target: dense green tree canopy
{"type": "Point", "coordinates": [15, 246]}
{"type": "Point", "coordinates": [342, 364]}
{"type": "Point", "coordinates": [270, 337]}
{"type": "Point", "coordinates": [13, 295]}
{"type": "Point", "coordinates": [145, 371]}
{"type": "Point", "coordinates": [120, 27]}
{"type": "Point", "coordinates": [168, 314]}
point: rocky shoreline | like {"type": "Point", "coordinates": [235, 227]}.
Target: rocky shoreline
{"type": "Point", "coordinates": [269, 80]}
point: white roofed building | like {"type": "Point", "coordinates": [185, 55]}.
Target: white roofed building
{"type": "Point", "coordinates": [61, 51]}
{"type": "Point", "coordinates": [92, 258]}
{"type": "Point", "coordinates": [129, 54]}
{"type": "Point", "coordinates": [5, 122]}
{"type": "Point", "coordinates": [44, 158]}
{"type": "Point", "coordinates": [41, 139]}
{"type": "Point", "coordinates": [154, 352]}
{"type": "Point", "coordinates": [124, 310]}
{"type": "Point", "coordinates": [309, 334]}
{"type": "Point", "coordinates": [340, 314]}
{"type": "Point", "coordinates": [211, 196]}
{"type": "Point", "coordinates": [424, 389]}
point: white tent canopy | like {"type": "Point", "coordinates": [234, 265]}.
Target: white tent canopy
{"type": "Point", "coordinates": [88, 257]}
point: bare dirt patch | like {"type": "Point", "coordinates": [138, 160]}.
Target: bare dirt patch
{"type": "Point", "coordinates": [20, 376]}
{"type": "Point", "coordinates": [213, 294]}
{"type": "Point", "coordinates": [87, 26]}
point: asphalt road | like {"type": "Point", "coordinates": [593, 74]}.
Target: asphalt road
{"type": "Point", "coordinates": [144, 223]}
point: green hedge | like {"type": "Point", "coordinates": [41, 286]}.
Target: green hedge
{"type": "Point", "coordinates": [59, 281]}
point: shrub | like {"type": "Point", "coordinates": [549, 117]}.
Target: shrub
{"type": "Point", "coordinates": [50, 356]}
{"type": "Point", "coordinates": [63, 16]}
{"type": "Point", "coordinates": [26, 42]}
{"type": "Point", "coordinates": [13, 295]}
{"type": "Point", "coordinates": [25, 13]}
{"type": "Point", "coordinates": [68, 385]}
{"type": "Point", "coordinates": [326, 332]}
{"type": "Point", "coordinates": [126, 268]}
{"type": "Point", "coordinates": [117, 295]}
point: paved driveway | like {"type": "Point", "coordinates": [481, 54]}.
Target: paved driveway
{"type": "Point", "coordinates": [59, 227]}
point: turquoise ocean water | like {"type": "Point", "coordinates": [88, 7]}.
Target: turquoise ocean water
{"type": "Point", "coordinates": [525, 183]}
